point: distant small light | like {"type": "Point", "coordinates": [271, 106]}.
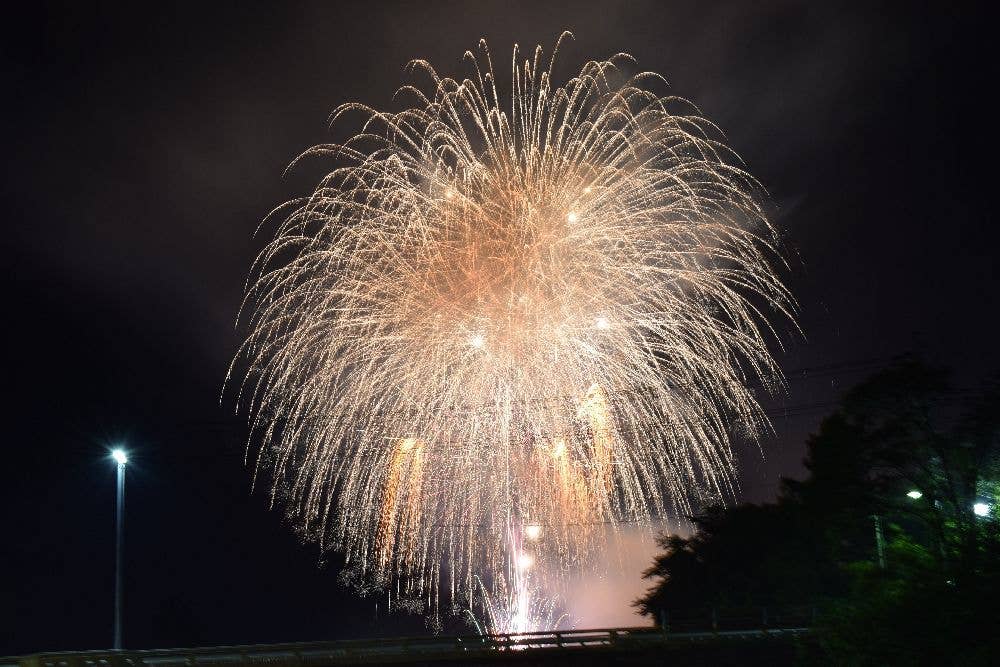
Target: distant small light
{"type": "Point", "coordinates": [981, 509]}
{"type": "Point", "coordinates": [571, 218]}
{"type": "Point", "coordinates": [916, 495]}
{"type": "Point", "coordinates": [525, 561]}
{"type": "Point", "coordinates": [602, 323]}
{"type": "Point", "coordinates": [477, 341]}
{"type": "Point", "coordinates": [533, 532]}
{"type": "Point", "coordinates": [120, 457]}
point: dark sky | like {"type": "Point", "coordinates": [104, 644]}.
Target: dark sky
{"type": "Point", "coordinates": [143, 146]}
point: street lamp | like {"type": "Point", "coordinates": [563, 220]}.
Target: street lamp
{"type": "Point", "coordinates": [121, 458]}
{"type": "Point", "coordinates": [879, 540]}
{"type": "Point", "coordinates": [981, 509]}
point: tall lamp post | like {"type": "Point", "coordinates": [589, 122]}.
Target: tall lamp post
{"type": "Point", "coordinates": [121, 458]}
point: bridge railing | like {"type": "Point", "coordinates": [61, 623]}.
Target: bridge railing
{"type": "Point", "coordinates": [342, 651]}
{"type": "Point", "coordinates": [737, 618]}
{"type": "Point", "coordinates": [352, 651]}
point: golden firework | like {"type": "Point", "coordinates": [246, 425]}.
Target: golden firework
{"type": "Point", "coordinates": [544, 309]}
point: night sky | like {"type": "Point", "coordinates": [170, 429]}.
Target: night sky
{"type": "Point", "coordinates": [143, 146]}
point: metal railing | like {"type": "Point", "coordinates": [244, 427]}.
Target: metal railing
{"type": "Point", "coordinates": [737, 618]}
{"type": "Point", "coordinates": [403, 649]}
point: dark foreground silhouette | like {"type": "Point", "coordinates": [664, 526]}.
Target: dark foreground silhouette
{"type": "Point", "coordinates": [894, 536]}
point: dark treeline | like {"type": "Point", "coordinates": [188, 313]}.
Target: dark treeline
{"type": "Point", "coordinates": [893, 537]}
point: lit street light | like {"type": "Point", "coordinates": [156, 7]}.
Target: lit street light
{"type": "Point", "coordinates": [879, 540]}
{"type": "Point", "coordinates": [981, 509]}
{"type": "Point", "coordinates": [121, 458]}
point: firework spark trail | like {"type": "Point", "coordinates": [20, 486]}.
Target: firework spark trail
{"type": "Point", "coordinates": [399, 520]}
{"type": "Point", "coordinates": [518, 602]}
{"type": "Point", "coordinates": [553, 306]}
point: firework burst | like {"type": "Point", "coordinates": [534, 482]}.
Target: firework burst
{"type": "Point", "coordinates": [540, 309]}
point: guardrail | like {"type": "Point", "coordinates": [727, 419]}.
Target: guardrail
{"type": "Point", "coordinates": [401, 649]}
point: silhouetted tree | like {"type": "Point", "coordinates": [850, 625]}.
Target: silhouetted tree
{"type": "Point", "coordinates": [903, 430]}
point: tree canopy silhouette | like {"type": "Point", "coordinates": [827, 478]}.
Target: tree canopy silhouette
{"type": "Point", "coordinates": [905, 455]}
